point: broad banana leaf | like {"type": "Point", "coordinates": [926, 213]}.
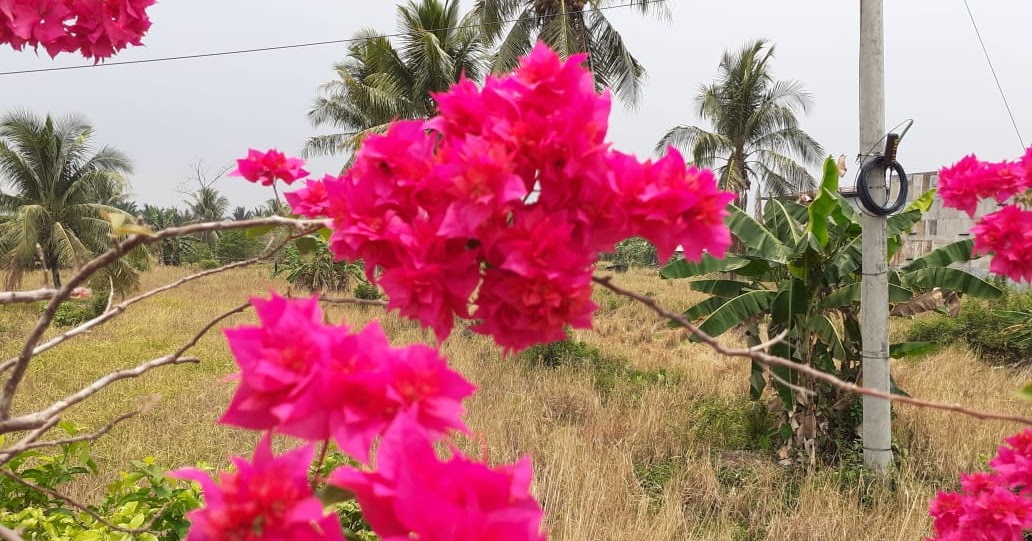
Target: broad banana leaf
{"type": "Point", "coordinates": [952, 279]}
{"type": "Point", "coordinates": [683, 268]}
{"type": "Point", "coordinates": [762, 242]}
{"type": "Point", "coordinates": [721, 288]}
{"type": "Point", "coordinates": [956, 252]}
{"type": "Point", "coordinates": [736, 311]}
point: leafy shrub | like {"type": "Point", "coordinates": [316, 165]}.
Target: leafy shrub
{"type": "Point", "coordinates": [235, 245]}
{"type": "Point", "coordinates": [192, 251]}
{"type": "Point", "coordinates": [316, 270]}
{"type": "Point", "coordinates": [984, 326]}
{"type": "Point", "coordinates": [207, 264]}
{"type": "Point", "coordinates": [365, 290]}
{"type": "Point", "coordinates": [632, 252]}
{"type": "Point", "coordinates": [732, 423]}
{"type": "Point", "coordinates": [74, 312]}
{"type": "Point", "coordinates": [141, 497]}
{"type": "Point", "coordinates": [608, 373]}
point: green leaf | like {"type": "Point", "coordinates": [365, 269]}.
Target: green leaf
{"type": "Point", "coordinates": [843, 296]}
{"type": "Point", "coordinates": [899, 294]}
{"type": "Point", "coordinates": [735, 311]}
{"type": "Point", "coordinates": [895, 389]}
{"type": "Point", "coordinates": [307, 247]}
{"type": "Point", "coordinates": [721, 288]}
{"type": "Point", "coordinates": [708, 264]}
{"type": "Point", "coordinates": [701, 309]}
{"type": "Point", "coordinates": [905, 220]}
{"type": "Point", "coordinates": [331, 494]}
{"type": "Point", "coordinates": [324, 233]}
{"type": "Point", "coordinates": [257, 230]}
{"type": "Point", "coordinates": [821, 208]}
{"type": "Point", "coordinates": [900, 350]}
{"type": "Point", "coordinates": [783, 219]}
{"type": "Point", "coordinates": [955, 252]}
{"type": "Point", "coordinates": [825, 330]}
{"type": "Point", "coordinates": [952, 279]}
{"type": "Point", "coordinates": [757, 381]}
{"type": "Point", "coordinates": [754, 235]}
{"type": "Point", "coordinates": [1026, 391]}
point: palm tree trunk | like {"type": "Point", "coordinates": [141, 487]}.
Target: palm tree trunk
{"type": "Point", "coordinates": [55, 271]}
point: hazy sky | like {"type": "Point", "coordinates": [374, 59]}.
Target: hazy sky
{"type": "Point", "coordinates": [169, 115]}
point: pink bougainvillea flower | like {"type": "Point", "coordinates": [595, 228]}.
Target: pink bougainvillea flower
{"type": "Point", "coordinates": [95, 28]}
{"type": "Point", "coordinates": [277, 359]}
{"type": "Point", "coordinates": [413, 494]}
{"type": "Point", "coordinates": [430, 392]}
{"type": "Point", "coordinates": [268, 499]}
{"type": "Point", "coordinates": [993, 505]}
{"type": "Point", "coordinates": [962, 185]}
{"type": "Point", "coordinates": [672, 205]}
{"type": "Point", "coordinates": [310, 201]}
{"type": "Point", "coordinates": [267, 167]}
{"type": "Point", "coordinates": [368, 384]}
{"type": "Point", "coordinates": [512, 189]}
{"type": "Point", "coordinates": [1007, 235]}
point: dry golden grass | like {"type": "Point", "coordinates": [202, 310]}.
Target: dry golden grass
{"type": "Point", "coordinates": [623, 464]}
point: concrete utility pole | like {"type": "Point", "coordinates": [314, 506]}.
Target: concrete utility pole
{"type": "Point", "coordinates": [874, 288]}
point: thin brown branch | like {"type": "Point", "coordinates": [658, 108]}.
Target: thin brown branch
{"type": "Point", "coordinates": [36, 295]}
{"type": "Point", "coordinates": [68, 500]}
{"type": "Point", "coordinates": [813, 373]}
{"type": "Point", "coordinates": [21, 363]}
{"type": "Point", "coordinates": [351, 300]}
{"type": "Point", "coordinates": [36, 419]}
{"type": "Point", "coordinates": [19, 447]}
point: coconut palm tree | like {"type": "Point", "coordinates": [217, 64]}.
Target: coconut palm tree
{"type": "Point", "coordinates": [241, 214]}
{"type": "Point", "coordinates": [568, 27]}
{"type": "Point", "coordinates": [207, 204]}
{"type": "Point", "coordinates": [59, 186]}
{"type": "Point", "coordinates": [380, 81]}
{"type": "Point", "coordinates": [170, 250]}
{"type": "Point", "coordinates": [755, 135]}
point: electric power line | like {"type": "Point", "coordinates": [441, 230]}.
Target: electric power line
{"type": "Point", "coordinates": [640, 3]}
{"type": "Point", "coordinates": [993, 70]}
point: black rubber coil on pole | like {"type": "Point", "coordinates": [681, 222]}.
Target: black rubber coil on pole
{"type": "Point", "coordinates": [871, 169]}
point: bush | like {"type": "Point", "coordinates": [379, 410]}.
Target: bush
{"type": "Point", "coordinates": [74, 312]}
{"type": "Point", "coordinates": [732, 423]}
{"type": "Point", "coordinates": [366, 291]}
{"type": "Point", "coordinates": [207, 264]}
{"type": "Point", "coordinates": [317, 270]}
{"type": "Point", "coordinates": [608, 373]}
{"type": "Point", "coordinates": [632, 252]}
{"type": "Point", "coordinates": [980, 325]}
{"type": "Point", "coordinates": [141, 496]}
{"type": "Point", "coordinates": [235, 246]}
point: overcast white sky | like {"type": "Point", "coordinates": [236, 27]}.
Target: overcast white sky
{"type": "Point", "coordinates": [169, 115]}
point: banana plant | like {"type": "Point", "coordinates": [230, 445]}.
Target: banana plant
{"type": "Point", "coordinates": [800, 272]}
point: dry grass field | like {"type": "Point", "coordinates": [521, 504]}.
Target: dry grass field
{"type": "Point", "coordinates": [654, 445]}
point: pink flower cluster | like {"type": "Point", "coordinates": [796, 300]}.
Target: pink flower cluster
{"type": "Point", "coordinates": [269, 498]}
{"type": "Point", "coordinates": [1007, 233]}
{"type": "Point", "coordinates": [302, 377]}
{"type": "Point", "coordinates": [511, 192]}
{"type": "Point", "coordinates": [413, 492]}
{"type": "Point", "coordinates": [95, 28]}
{"type": "Point", "coordinates": [267, 167]}
{"type": "Point", "coordinates": [319, 382]}
{"type": "Point", "coordinates": [994, 506]}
